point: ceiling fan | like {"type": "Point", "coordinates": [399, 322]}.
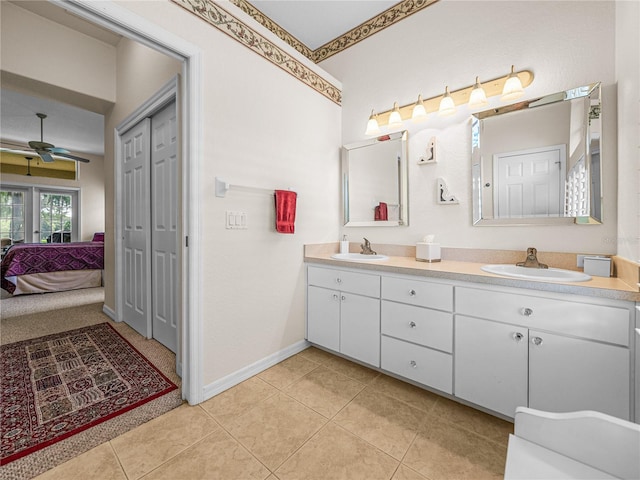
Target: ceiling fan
{"type": "Point", "coordinates": [47, 151]}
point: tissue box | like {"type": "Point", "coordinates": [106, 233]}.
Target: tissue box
{"type": "Point", "coordinates": [597, 266]}
{"type": "Point", "coordinates": [427, 252]}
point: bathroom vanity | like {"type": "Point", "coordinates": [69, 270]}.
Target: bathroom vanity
{"type": "Point", "coordinates": [478, 338]}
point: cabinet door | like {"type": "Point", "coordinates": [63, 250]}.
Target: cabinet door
{"type": "Point", "coordinates": [360, 328]}
{"type": "Point", "coordinates": [569, 374]}
{"type": "Point", "coordinates": [490, 364]}
{"type": "Point", "coordinates": [323, 317]}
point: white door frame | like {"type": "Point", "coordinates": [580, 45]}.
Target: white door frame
{"type": "Point", "coordinates": [128, 24]}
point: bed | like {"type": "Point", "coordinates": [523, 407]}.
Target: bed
{"type": "Point", "coordinates": [52, 267]}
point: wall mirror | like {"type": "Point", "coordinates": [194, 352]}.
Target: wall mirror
{"type": "Point", "coordinates": [538, 161]}
{"type": "Point", "coordinates": [375, 182]}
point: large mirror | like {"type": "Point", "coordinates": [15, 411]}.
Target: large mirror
{"type": "Point", "coordinates": [375, 182]}
{"type": "Point", "coordinates": [538, 161]}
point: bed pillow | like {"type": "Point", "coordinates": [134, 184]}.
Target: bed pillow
{"type": "Point", "coordinates": [98, 237]}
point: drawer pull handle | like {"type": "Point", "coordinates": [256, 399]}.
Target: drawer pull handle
{"type": "Point", "coordinates": [527, 312]}
{"type": "Point", "coordinates": [338, 280]}
{"type": "Point", "coordinates": [335, 296]}
{"type": "Point", "coordinates": [343, 297]}
{"type": "Point", "coordinates": [413, 364]}
{"type": "Point", "coordinates": [412, 324]}
{"type": "Point", "coordinates": [536, 341]}
{"type": "Point", "coordinates": [518, 336]}
{"type": "Point", "coordinates": [412, 292]}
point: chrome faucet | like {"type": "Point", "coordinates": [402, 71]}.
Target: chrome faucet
{"type": "Point", "coordinates": [366, 248]}
{"type": "Point", "coordinates": [532, 260]}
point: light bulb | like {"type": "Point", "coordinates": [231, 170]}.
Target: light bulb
{"type": "Point", "coordinates": [395, 120]}
{"type": "Point", "coordinates": [512, 87]}
{"type": "Point", "coordinates": [447, 106]}
{"type": "Point", "coordinates": [372, 125]}
{"type": "Point", "coordinates": [478, 97]}
{"type": "Point", "coordinates": [419, 112]}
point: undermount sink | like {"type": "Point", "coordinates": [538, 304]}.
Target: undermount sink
{"type": "Point", "coordinates": [544, 274]}
{"type": "Point", "coordinates": [358, 257]}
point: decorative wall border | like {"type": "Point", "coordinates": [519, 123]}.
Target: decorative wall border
{"type": "Point", "coordinates": [392, 15]}
{"type": "Point", "coordinates": [236, 29]}
{"type": "Point", "coordinates": [385, 19]}
{"type": "Point", "coordinates": [272, 26]}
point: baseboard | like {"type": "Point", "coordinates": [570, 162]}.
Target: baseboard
{"type": "Point", "coordinates": [249, 371]}
{"type": "Point", "coordinates": [109, 313]}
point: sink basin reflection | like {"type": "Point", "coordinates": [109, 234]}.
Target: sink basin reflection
{"type": "Point", "coordinates": [358, 257]}
{"type": "Point", "coordinates": [544, 274]}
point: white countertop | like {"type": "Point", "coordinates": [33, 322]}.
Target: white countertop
{"type": "Point", "coordinates": [604, 287]}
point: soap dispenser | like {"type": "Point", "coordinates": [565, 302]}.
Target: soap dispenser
{"type": "Point", "coordinates": [344, 245]}
{"type": "Point", "coordinates": [428, 250]}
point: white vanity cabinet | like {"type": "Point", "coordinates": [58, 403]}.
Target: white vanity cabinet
{"type": "Point", "coordinates": [343, 312]}
{"type": "Point", "coordinates": [417, 331]}
{"type": "Point", "coordinates": [492, 346]}
{"type": "Point", "coordinates": [550, 354]}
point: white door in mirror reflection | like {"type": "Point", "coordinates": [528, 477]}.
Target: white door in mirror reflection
{"type": "Point", "coordinates": [530, 183]}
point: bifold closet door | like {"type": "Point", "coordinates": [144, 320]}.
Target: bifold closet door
{"type": "Point", "coordinates": [165, 274]}
{"type": "Point", "coordinates": [136, 239]}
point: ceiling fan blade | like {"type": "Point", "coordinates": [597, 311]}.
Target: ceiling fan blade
{"type": "Point", "coordinates": [45, 156]}
{"type": "Point", "coordinates": [72, 157]}
{"type": "Point", "coordinates": [57, 150]}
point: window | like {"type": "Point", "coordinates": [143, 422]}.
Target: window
{"type": "Point", "coordinates": [56, 217]}
{"type": "Point", "coordinates": [12, 216]}
{"type": "Point", "coordinates": [38, 215]}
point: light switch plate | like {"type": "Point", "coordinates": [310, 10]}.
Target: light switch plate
{"type": "Point", "coordinates": [236, 220]}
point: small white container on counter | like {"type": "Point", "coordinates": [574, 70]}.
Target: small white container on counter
{"type": "Point", "coordinates": [427, 250]}
{"type": "Point", "coordinates": [597, 266]}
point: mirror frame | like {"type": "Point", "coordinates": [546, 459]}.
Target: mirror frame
{"type": "Point", "coordinates": [592, 91]}
{"type": "Point", "coordinates": [403, 181]}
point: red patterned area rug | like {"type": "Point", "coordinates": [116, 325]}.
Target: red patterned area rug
{"type": "Point", "coordinates": [56, 386]}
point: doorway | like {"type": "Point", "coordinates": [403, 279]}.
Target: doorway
{"type": "Point", "coordinates": [530, 183]}
{"type": "Point", "coordinates": [124, 22]}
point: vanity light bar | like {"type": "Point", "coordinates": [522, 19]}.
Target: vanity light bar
{"type": "Point", "coordinates": [492, 88]}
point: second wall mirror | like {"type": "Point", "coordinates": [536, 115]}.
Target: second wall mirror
{"type": "Point", "coordinates": [375, 182]}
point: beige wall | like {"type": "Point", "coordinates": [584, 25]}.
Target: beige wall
{"type": "Point", "coordinates": [565, 44]}
{"type": "Point", "coordinates": [36, 48]}
{"type": "Point", "coordinates": [628, 79]}
{"type": "Point", "coordinates": [91, 184]}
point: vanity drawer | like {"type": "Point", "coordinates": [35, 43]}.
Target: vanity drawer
{"type": "Point", "coordinates": [423, 326]}
{"type": "Point", "coordinates": [416, 292]}
{"type": "Point", "coordinates": [604, 323]}
{"type": "Point", "coordinates": [420, 364]}
{"type": "Point", "coordinates": [360, 283]}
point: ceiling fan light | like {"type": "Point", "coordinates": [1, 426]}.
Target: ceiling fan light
{"type": "Point", "coordinates": [512, 87]}
{"type": "Point", "coordinates": [419, 112]}
{"type": "Point", "coordinates": [478, 97]}
{"type": "Point", "coordinates": [447, 105]}
{"type": "Point", "coordinates": [395, 120]}
{"type": "Point", "coordinates": [372, 125]}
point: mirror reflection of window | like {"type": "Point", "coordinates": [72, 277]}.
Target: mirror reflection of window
{"type": "Point", "coordinates": [539, 160]}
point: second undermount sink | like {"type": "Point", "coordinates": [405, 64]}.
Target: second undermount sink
{"type": "Point", "coordinates": [544, 274]}
{"type": "Point", "coordinates": [358, 257]}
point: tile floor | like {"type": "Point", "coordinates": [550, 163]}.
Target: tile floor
{"type": "Point", "coordinates": [312, 416]}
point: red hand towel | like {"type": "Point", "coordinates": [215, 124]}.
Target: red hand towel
{"type": "Point", "coordinates": [381, 212]}
{"type": "Point", "coordinates": [285, 211]}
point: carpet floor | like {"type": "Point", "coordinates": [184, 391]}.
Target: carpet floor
{"type": "Point", "coordinates": [18, 328]}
